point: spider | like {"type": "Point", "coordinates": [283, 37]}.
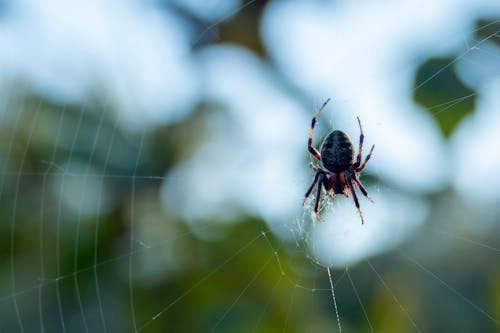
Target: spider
{"type": "Point", "coordinates": [338, 171]}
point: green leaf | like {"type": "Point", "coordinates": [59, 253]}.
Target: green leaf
{"type": "Point", "coordinates": [443, 94]}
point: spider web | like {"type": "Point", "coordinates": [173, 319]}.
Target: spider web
{"type": "Point", "coordinates": [109, 225]}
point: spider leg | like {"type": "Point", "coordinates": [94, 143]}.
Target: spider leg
{"type": "Point", "coordinates": [318, 195]}
{"type": "Point", "coordinates": [360, 147]}
{"type": "Point", "coordinates": [343, 184]}
{"type": "Point", "coordinates": [355, 197]}
{"type": "Point", "coordinates": [361, 188]}
{"type": "Point", "coordinates": [310, 147]}
{"type": "Point", "coordinates": [328, 183]}
{"type": "Point", "coordinates": [367, 158]}
{"type": "Point", "coordinates": [309, 190]}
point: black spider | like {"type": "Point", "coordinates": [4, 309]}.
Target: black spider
{"type": "Point", "coordinates": [338, 170]}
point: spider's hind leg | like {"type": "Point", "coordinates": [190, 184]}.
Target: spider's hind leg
{"type": "Point", "coordinates": [358, 168]}
{"type": "Point", "coordinates": [310, 147]}
{"type": "Point", "coordinates": [360, 147]}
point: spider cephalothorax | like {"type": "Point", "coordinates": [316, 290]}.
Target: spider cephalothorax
{"type": "Point", "coordinates": [338, 170]}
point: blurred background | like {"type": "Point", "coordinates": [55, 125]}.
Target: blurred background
{"type": "Point", "coordinates": [153, 162]}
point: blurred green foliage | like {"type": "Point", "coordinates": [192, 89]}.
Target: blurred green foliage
{"type": "Point", "coordinates": [442, 93]}
{"type": "Point", "coordinates": [486, 28]}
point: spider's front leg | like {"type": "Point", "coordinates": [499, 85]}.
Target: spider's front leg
{"type": "Point", "coordinates": [354, 195]}
{"type": "Point", "coordinates": [321, 178]}
{"type": "Point", "coordinates": [316, 177]}
{"type": "Point", "coordinates": [361, 187]}
{"type": "Point", "coordinates": [329, 182]}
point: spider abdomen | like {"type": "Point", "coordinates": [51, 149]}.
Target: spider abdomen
{"type": "Point", "coordinates": [337, 152]}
